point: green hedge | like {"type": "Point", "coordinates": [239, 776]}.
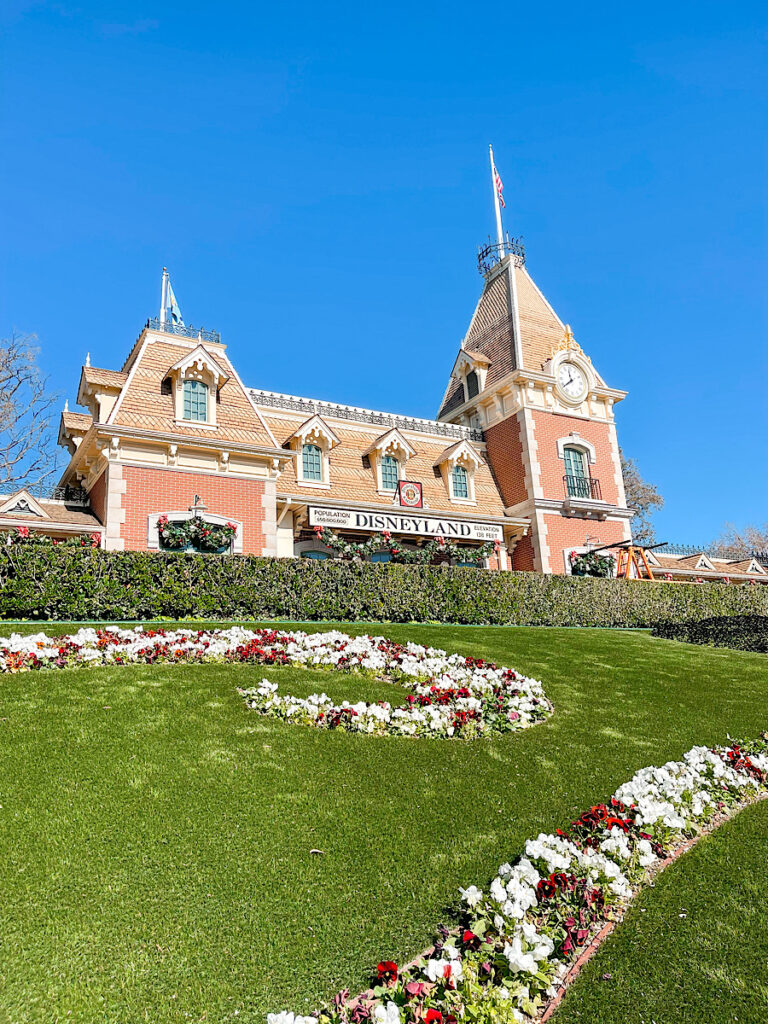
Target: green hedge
{"type": "Point", "coordinates": [741, 632]}
{"type": "Point", "coordinates": [79, 584]}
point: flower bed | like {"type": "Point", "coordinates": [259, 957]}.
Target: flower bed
{"type": "Point", "coordinates": [513, 946]}
{"type": "Point", "coordinates": [449, 695]}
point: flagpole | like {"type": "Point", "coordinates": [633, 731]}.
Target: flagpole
{"type": "Point", "coordinates": [499, 232]}
{"type": "Point", "coordinates": [164, 296]}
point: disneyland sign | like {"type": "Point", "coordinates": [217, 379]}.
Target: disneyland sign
{"type": "Point", "coordinates": [394, 522]}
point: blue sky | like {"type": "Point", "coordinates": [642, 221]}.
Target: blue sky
{"type": "Point", "coordinates": [315, 178]}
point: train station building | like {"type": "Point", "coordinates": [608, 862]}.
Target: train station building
{"type": "Point", "coordinates": [522, 452]}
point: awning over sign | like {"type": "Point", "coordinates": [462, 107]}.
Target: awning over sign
{"type": "Point", "coordinates": [409, 524]}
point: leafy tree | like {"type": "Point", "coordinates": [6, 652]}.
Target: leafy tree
{"type": "Point", "coordinates": [28, 450]}
{"type": "Point", "coordinates": [735, 543]}
{"type": "Point", "coordinates": [641, 496]}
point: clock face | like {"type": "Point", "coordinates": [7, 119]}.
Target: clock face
{"type": "Point", "coordinates": [571, 380]}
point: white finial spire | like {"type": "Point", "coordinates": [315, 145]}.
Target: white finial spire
{"type": "Point", "coordinates": [498, 202]}
{"type": "Point", "coordinates": [87, 358]}
{"type": "Point", "coordinates": [66, 405]}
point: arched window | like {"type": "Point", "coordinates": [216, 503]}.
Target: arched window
{"type": "Point", "coordinates": [311, 462]}
{"type": "Point", "coordinates": [460, 482]}
{"type": "Point", "coordinates": [576, 473]}
{"type": "Point", "coordinates": [473, 384]}
{"type": "Point", "coordinates": [390, 473]}
{"type": "Point", "coordinates": [195, 400]}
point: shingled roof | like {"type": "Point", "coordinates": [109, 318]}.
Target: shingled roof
{"type": "Point", "coordinates": [353, 478]}
{"type": "Point", "coordinates": [491, 330]}
{"type": "Point", "coordinates": [145, 404]}
{"type": "Point", "coordinates": [97, 377]}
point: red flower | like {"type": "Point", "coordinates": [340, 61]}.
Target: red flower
{"type": "Point", "coordinates": [470, 939]}
{"type": "Point", "coordinates": [617, 822]}
{"type": "Point", "coordinates": [546, 888]}
{"type": "Point", "coordinates": [388, 971]}
{"type": "Point", "coordinates": [433, 1017]}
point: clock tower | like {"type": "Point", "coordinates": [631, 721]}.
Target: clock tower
{"type": "Point", "coordinates": [546, 413]}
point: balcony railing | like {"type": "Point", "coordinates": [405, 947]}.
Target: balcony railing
{"type": "Point", "coordinates": [582, 487]}
{"type": "Point", "coordinates": [183, 330]}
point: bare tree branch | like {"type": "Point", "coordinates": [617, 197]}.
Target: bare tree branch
{"type": "Point", "coordinates": [642, 496]}
{"type": "Point", "coordinates": [735, 543]}
{"type": "Point", "coordinates": [28, 451]}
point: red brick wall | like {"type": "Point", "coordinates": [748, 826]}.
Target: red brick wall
{"type": "Point", "coordinates": [564, 532]}
{"type": "Point", "coordinates": [157, 490]}
{"type": "Point", "coordinates": [98, 498]}
{"type": "Point", "coordinates": [505, 457]}
{"type": "Point", "coordinates": [549, 428]}
{"type": "Point", "coordinates": [522, 556]}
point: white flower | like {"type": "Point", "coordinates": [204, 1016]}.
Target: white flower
{"type": "Point", "coordinates": [389, 1014]}
{"type": "Point", "coordinates": [518, 960]}
{"type": "Point", "coordinates": [284, 1017]}
{"type": "Point", "coordinates": [471, 896]}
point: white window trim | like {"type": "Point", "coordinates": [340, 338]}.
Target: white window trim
{"type": "Point", "coordinates": [472, 499]}
{"type": "Point", "coordinates": [575, 440]}
{"type": "Point", "coordinates": [183, 516]}
{"type": "Point", "coordinates": [381, 489]}
{"type": "Point", "coordinates": [325, 468]}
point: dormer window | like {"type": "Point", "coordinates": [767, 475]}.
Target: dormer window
{"type": "Point", "coordinates": [470, 370]}
{"type": "Point", "coordinates": [390, 473]}
{"type": "Point", "coordinates": [195, 401]}
{"type": "Point", "coordinates": [312, 442]}
{"type": "Point", "coordinates": [311, 462]}
{"type": "Point", "coordinates": [388, 457]}
{"type": "Point", "coordinates": [194, 383]}
{"type": "Point", "coordinates": [460, 482]}
{"type": "Point", "coordinates": [458, 466]}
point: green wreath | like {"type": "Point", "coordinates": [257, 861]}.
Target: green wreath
{"type": "Point", "coordinates": [435, 552]}
{"type": "Point", "coordinates": [195, 532]}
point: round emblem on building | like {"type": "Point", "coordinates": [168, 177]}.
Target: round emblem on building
{"type": "Point", "coordinates": [410, 494]}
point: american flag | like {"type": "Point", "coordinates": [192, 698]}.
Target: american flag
{"type": "Point", "coordinates": [499, 186]}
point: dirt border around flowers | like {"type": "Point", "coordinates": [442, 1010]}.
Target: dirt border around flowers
{"type": "Point", "coordinates": [605, 930]}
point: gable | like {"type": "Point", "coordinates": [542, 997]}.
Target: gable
{"type": "Point", "coordinates": [145, 404]}
{"type": "Point", "coordinates": [22, 503]}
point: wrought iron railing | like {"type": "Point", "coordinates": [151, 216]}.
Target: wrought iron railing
{"type": "Point", "coordinates": [713, 550]}
{"type": "Point", "coordinates": [348, 412]}
{"type": "Point", "coordinates": [488, 256]}
{"type": "Point", "coordinates": [582, 487]}
{"type": "Point", "coordinates": [183, 331]}
{"type": "Point", "coordinates": [75, 495]}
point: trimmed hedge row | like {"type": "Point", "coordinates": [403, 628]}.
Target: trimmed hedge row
{"type": "Point", "coordinates": [741, 632]}
{"type": "Point", "coordinates": [79, 584]}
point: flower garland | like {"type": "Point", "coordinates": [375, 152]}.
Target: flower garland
{"type": "Point", "coordinates": [196, 531]}
{"type": "Point", "coordinates": [449, 695]}
{"type": "Point", "coordinates": [590, 563]}
{"type": "Point", "coordinates": [435, 551]}
{"type": "Point", "coordinates": [23, 535]}
{"type": "Point", "coordinates": [513, 947]}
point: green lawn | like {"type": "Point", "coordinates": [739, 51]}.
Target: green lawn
{"type": "Point", "coordinates": [695, 947]}
{"type": "Point", "coordinates": [155, 835]}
